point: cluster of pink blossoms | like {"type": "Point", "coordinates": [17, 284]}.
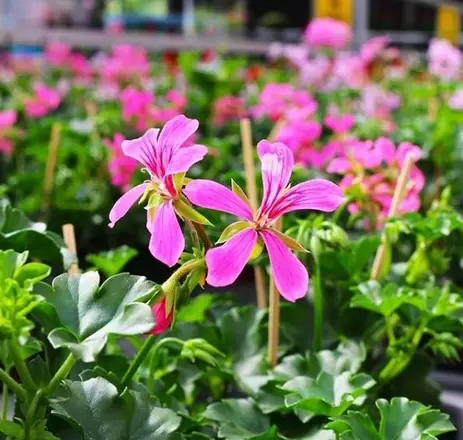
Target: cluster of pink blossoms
{"type": "Point", "coordinates": [445, 60]}
{"type": "Point", "coordinates": [327, 33]}
{"type": "Point", "coordinates": [168, 154]}
{"type": "Point", "coordinates": [370, 171]}
{"type": "Point", "coordinates": [44, 101]}
{"type": "Point", "coordinates": [7, 120]}
{"type": "Point", "coordinates": [121, 168]}
{"type": "Point", "coordinates": [139, 107]}
{"type": "Point", "coordinates": [277, 100]}
{"type": "Point", "coordinates": [60, 55]}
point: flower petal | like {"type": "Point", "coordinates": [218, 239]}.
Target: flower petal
{"type": "Point", "coordinates": [290, 275]}
{"type": "Point", "coordinates": [145, 150]}
{"type": "Point", "coordinates": [213, 195]}
{"type": "Point", "coordinates": [122, 206]}
{"type": "Point", "coordinates": [175, 134]}
{"type": "Point", "coordinates": [316, 194]}
{"type": "Point", "coordinates": [184, 158]}
{"type": "Point", "coordinates": [226, 262]}
{"type": "Point", "coordinates": [167, 242]}
{"type": "Point", "coordinates": [277, 165]}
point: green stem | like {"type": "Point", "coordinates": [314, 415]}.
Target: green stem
{"type": "Point", "coordinates": [184, 270]}
{"type": "Point", "coordinates": [141, 355]}
{"type": "Point", "coordinates": [30, 417]}
{"type": "Point", "coordinates": [4, 414]}
{"type": "Point", "coordinates": [318, 308]}
{"type": "Point", "coordinates": [61, 374]}
{"type": "Point", "coordinates": [20, 365]}
{"type": "Point", "coordinates": [13, 385]}
{"type": "Point", "coordinates": [340, 210]}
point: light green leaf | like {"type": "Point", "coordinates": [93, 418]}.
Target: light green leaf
{"type": "Point", "coordinates": [240, 193]}
{"type": "Point", "coordinates": [232, 230]}
{"type": "Point", "coordinates": [113, 261]}
{"type": "Point", "coordinates": [90, 313]}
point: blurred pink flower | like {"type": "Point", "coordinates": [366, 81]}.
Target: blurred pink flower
{"type": "Point", "coordinates": [57, 54]}
{"type": "Point", "coordinates": [228, 108]}
{"type": "Point", "coordinates": [373, 48]}
{"type": "Point", "coordinates": [456, 100]}
{"type": "Point", "coordinates": [327, 33]}
{"type": "Point", "coordinates": [43, 101]}
{"type": "Point", "coordinates": [164, 153]}
{"type": "Point", "coordinates": [7, 120]}
{"type": "Point", "coordinates": [445, 60]}
{"type": "Point", "coordinates": [340, 124]}
{"type": "Point", "coordinates": [256, 229]}
{"type": "Point", "coordinates": [120, 167]}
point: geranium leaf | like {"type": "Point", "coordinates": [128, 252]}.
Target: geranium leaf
{"type": "Point", "coordinates": [89, 313]}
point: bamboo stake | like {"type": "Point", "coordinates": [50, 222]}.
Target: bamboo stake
{"type": "Point", "coordinates": [248, 152]}
{"type": "Point", "coordinates": [399, 193]}
{"type": "Point", "coordinates": [51, 165]}
{"type": "Point", "coordinates": [70, 240]}
{"type": "Point", "coordinates": [276, 128]}
{"type": "Point", "coordinates": [274, 317]}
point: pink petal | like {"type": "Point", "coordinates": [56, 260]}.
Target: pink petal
{"type": "Point", "coordinates": [316, 194]}
{"type": "Point", "coordinates": [226, 262]}
{"type": "Point", "coordinates": [290, 275]}
{"type": "Point", "coordinates": [406, 147]}
{"type": "Point", "coordinates": [167, 241]}
{"type": "Point", "coordinates": [185, 157]}
{"type": "Point", "coordinates": [339, 166]}
{"type": "Point", "coordinates": [145, 150]}
{"type": "Point", "coordinates": [174, 135]}
{"type": "Point", "coordinates": [213, 195]}
{"type": "Point", "coordinates": [386, 149]}
{"type": "Point", "coordinates": [122, 206]}
{"type": "Point", "coordinates": [277, 165]}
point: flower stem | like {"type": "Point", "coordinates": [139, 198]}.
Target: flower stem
{"type": "Point", "coordinates": [318, 308]}
{"type": "Point", "coordinates": [61, 374]}
{"type": "Point", "coordinates": [141, 355]}
{"type": "Point", "coordinates": [12, 385]}
{"type": "Point", "coordinates": [203, 235]}
{"type": "Point", "coordinates": [184, 270]}
{"type": "Point", "coordinates": [31, 413]}
{"type": "Point", "coordinates": [20, 365]}
{"type": "Point", "coordinates": [4, 414]}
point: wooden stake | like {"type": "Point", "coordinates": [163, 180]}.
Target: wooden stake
{"type": "Point", "coordinates": [274, 318]}
{"type": "Point", "coordinates": [248, 156]}
{"type": "Point", "coordinates": [276, 128]}
{"type": "Point", "coordinates": [399, 193]}
{"type": "Point", "coordinates": [51, 165]}
{"type": "Point", "coordinates": [70, 240]}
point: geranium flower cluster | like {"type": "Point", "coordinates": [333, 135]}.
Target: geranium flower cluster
{"type": "Point", "coordinates": [445, 60]}
{"type": "Point", "coordinates": [140, 109]}
{"type": "Point", "coordinates": [370, 171]}
{"type": "Point", "coordinates": [277, 100]}
{"type": "Point", "coordinates": [168, 154]}
{"type": "Point", "coordinates": [43, 101]}
{"type": "Point", "coordinates": [228, 108]}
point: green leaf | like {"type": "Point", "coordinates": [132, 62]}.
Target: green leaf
{"type": "Point", "coordinates": [113, 261]}
{"type": "Point", "coordinates": [403, 419]}
{"type": "Point", "coordinates": [354, 425]}
{"type": "Point", "coordinates": [240, 419]}
{"type": "Point", "coordinates": [11, 429]}
{"type": "Point", "coordinates": [383, 300]}
{"type": "Point", "coordinates": [195, 310]}
{"type": "Point", "coordinates": [232, 230]}
{"type": "Point", "coordinates": [96, 406]}
{"type": "Point", "coordinates": [186, 211]}
{"type": "Point", "coordinates": [89, 313]}
{"type": "Point", "coordinates": [326, 394]}
{"type": "Point", "coordinates": [31, 274]}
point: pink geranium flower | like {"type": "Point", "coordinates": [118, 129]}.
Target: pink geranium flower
{"type": "Point", "coordinates": [45, 100]}
{"type": "Point", "coordinates": [370, 172]}
{"type": "Point", "coordinates": [340, 124]}
{"type": "Point", "coordinates": [445, 60]}
{"type": "Point", "coordinates": [162, 318]}
{"type": "Point", "coordinates": [164, 154]}
{"type": "Point", "coordinates": [327, 33]}
{"type": "Point", "coordinates": [7, 120]}
{"type": "Point", "coordinates": [57, 54]}
{"type": "Point", "coordinates": [456, 100]}
{"type": "Point", "coordinates": [256, 229]}
{"type": "Point", "coordinates": [228, 108]}
{"type": "Point", "coordinates": [373, 48]}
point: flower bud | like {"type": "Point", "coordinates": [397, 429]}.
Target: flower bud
{"type": "Point", "coordinates": [162, 318]}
